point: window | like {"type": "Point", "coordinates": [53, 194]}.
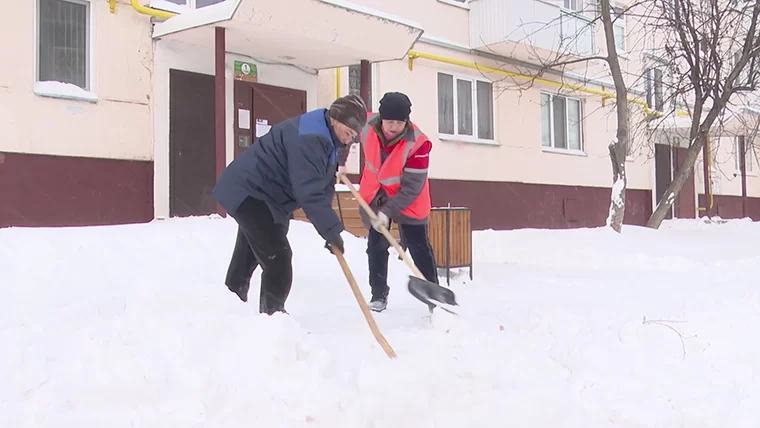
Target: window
{"type": "Point", "coordinates": [354, 82]}
{"type": "Point", "coordinates": [64, 42]}
{"type": "Point", "coordinates": [465, 107]}
{"type": "Point", "coordinates": [653, 86]}
{"type": "Point", "coordinates": [576, 33]}
{"type": "Point", "coordinates": [747, 73]}
{"type": "Point", "coordinates": [561, 122]}
{"type": "Point", "coordinates": [750, 157]}
{"type": "Point", "coordinates": [576, 5]}
{"type": "Point", "coordinates": [618, 29]}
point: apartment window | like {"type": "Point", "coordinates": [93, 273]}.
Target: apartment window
{"type": "Point", "coordinates": [576, 5]}
{"type": "Point", "coordinates": [618, 29]}
{"type": "Point", "coordinates": [653, 87]}
{"type": "Point", "coordinates": [750, 157]}
{"type": "Point", "coordinates": [465, 107]}
{"type": "Point", "coordinates": [561, 122]}
{"type": "Point", "coordinates": [64, 42]}
{"type": "Point", "coordinates": [746, 75]}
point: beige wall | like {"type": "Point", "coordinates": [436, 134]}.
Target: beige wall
{"type": "Point", "coordinates": [116, 125]}
{"type": "Point", "coordinates": [726, 178]}
{"type": "Point", "coordinates": [517, 154]}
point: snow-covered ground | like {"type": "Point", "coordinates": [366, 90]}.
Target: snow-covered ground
{"type": "Point", "coordinates": [132, 326]}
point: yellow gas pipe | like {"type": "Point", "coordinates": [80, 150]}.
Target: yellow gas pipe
{"type": "Point", "coordinates": [604, 94]}
{"type": "Point", "coordinates": [150, 11]}
{"type": "Point", "coordinates": [337, 82]}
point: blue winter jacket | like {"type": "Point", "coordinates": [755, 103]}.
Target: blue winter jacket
{"type": "Point", "coordinates": [292, 166]}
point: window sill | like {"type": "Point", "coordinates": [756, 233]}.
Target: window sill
{"type": "Point", "coordinates": [569, 152]}
{"type": "Point", "coordinates": [468, 140]}
{"type": "Point", "coordinates": [455, 3]}
{"type": "Point", "coordinates": [738, 174]}
{"type": "Point", "coordinates": [64, 91]}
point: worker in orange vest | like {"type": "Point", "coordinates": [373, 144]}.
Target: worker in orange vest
{"type": "Point", "coordinates": [394, 183]}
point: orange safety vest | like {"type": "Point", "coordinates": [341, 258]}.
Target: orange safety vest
{"type": "Point", "coordinates": [388, 175]}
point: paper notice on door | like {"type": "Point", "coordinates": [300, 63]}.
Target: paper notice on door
{"type": "Point", "coordinates": [244, 119]}
{"type": "Point", "coordinates": [262, 127]}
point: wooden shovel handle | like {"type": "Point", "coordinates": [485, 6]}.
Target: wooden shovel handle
{"type": "Point", "coordinates": [363, 305]}
{"type": "Point", "coordinates": [383, 229]}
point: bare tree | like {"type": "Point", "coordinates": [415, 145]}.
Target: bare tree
{"type": "Point", "coordinates": [712, 50]}
{"type": "Point", "coordinates": [619, 147]}
{"type": "Point", "coordinates": [565, 56]}
{"type": "Point", "coordinates": [708, 49]}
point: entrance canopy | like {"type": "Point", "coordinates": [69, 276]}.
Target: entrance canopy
{"type": "Point", "coordinates": [316, 34]}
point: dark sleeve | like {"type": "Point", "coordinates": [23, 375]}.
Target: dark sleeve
{"type": "Point", "coordinates": [412, 181]}
{"type": "Point", "coordinates": [308, 160]}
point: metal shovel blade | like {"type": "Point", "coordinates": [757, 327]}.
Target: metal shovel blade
{"type": "Point", "coordinates": [428, 292]}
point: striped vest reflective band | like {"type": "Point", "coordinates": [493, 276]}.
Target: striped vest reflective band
{"type": "Point", "coordinates": [388, 175]}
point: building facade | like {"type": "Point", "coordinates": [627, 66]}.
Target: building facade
{"type": "Point", "coordinates": [143, 103]}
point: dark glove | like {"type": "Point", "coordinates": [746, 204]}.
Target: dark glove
{"type": "Point", "coordinates": [335, 243]}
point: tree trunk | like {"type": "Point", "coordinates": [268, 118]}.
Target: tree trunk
{"type": "Point", "coordinates": [619, 184]}
{"type": "Point", "coordinates": [619, 148]}
{"type": "Point", "coordinates": [681, 175]}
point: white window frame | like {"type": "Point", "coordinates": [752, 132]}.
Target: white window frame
{"type": "Point", "coordinates": [568, 5]}
{"type": "Point", "coordinates": [41, 88]}
{"type": "Point", "coordinates": [475, 116]}
{"type": "Point", "coordinates": [650, 69]}
{"type": "Point", "coordinates": [751, 157]}
{"type": "Point", "coordinates": [553, 148]}
{"type": "Point", "coordinates": [619, 21]}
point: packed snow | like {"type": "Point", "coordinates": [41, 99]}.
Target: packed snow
{"type": "Point", "coordinates": [132, 326]}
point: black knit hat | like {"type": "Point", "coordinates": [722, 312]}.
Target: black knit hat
{"type": "Point", "coordinates": [395, 106]}
{"type": "Point", "coordinates": [351, 111]}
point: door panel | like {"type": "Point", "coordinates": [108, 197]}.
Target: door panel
{"type": "Point", "coordinates": [686, 201]}
{"type": "Point", "coordinates": [272, 104]}
{"type": "Point", "coordinates": [192, 173]}
{"type": "Point", "coordinates": [663, 168]}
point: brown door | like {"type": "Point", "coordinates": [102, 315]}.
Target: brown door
{"type": "Point", "coordinates": [268, 105]}
{"type": "Point", "coordinates": [686, 202]}
{"type": "Point", "coordinates": [663, 170]}
{"type": "Point", "coordinates": [192, 173]}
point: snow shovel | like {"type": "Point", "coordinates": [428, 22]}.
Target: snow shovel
{"type": "Point", "coordinates": [423, 290]}
{"type": "Point", "coordinates": [363, 305]}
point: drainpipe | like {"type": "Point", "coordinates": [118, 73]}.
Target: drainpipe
{"type": "Point", "coordinates": [743, 170]}
{"type": "Point", "coordinates": [150, 11]}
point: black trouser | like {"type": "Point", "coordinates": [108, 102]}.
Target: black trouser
{"type": "Point", "coordinates": [261, 242]}
{"type": "Point", "coordinates": [416, 240]}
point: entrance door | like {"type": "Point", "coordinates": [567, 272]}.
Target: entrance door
{"type": "Point", "coordinates": [267, 105]}
{"type": "Point", "coordinates": [663, 170]}
{"type": "Point", "coordinates": [192, 173]}
{"type": "Point", "coordinates": [686, 202]}
{"type": "Point", "coordinates": [666, 160]}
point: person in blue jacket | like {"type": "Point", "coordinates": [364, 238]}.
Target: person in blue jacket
{"type": "Point", "coordinates": [292, 166]}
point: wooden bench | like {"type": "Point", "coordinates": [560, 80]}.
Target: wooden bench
{"type": "Point", "coordinates": [345, 205]}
